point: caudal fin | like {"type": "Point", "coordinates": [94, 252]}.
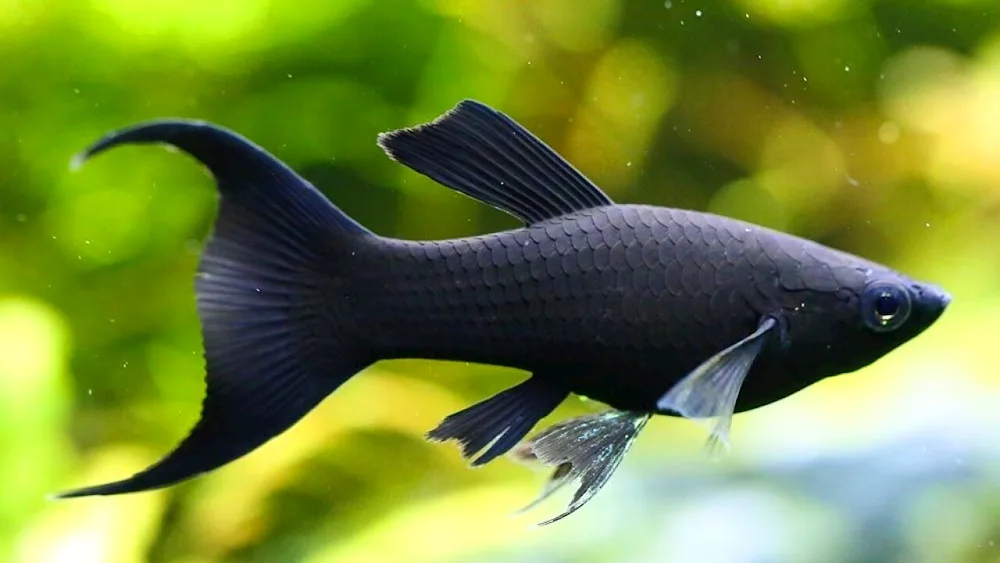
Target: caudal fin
{"type": "Point", "coordinates": [273, 348]}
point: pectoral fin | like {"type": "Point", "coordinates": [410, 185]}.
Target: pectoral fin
{"type": "Point", "coordinates": [710, 391]}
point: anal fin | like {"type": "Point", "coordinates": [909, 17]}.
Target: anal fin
{"type": "Point", "coordinates": [503, 419]}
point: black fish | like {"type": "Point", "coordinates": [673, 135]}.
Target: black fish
{"type": "Point", "coordinates": [647, 309]}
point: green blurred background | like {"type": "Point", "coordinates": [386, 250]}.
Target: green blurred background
{"type": "Point", "coordinates": [872, 126]}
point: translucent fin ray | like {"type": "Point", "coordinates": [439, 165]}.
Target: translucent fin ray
{"type": "Point", "coordinates": [709, 392]}
{"type": "Point", "coordinates": [587, 448]}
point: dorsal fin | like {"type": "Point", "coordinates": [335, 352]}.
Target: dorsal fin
{"type": "Point", "coordinates": [480, 152]}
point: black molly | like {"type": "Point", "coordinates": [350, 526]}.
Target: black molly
{"type": "Point", "coordinates": [648, 309]}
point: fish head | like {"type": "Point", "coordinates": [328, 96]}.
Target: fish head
{"type": "Point", "coordinates": [872, 311]}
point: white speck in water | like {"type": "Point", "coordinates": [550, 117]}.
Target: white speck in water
{"type": "Point", "coordinates": [124, 365]}
{"type": "Point", "coordinates": [86, 242]}
{"type": "Point", "coordinates": [627, 164]}
{"type": "Point", "coordinates": [257, 289]}
{"type": "Point", "coordinates": [90, 392]}
{"type": "Point", "coordinates": [851, 180]}
{"type": "Point", "coordinates": [112, 321]}
{"type": "Point", "coordinates": [76, 90]}
{"type": "Point", "coordinates": [668, 4]}
{"type": "Point", "coordinates": [927, 225]}
{"type": "Point", "coordinates": [697, 13]}
{"type": "Point", "coordinates": [847, 68]}
{"type": "Point", "coordinates": [289, 75]}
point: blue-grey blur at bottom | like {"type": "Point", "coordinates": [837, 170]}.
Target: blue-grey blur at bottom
{"type": "Point", "coordinates": [926, 496]}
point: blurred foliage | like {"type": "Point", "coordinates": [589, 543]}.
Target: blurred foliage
{"type": "Point", "coordinates": [872, 126]}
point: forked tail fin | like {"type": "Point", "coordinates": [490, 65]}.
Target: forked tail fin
{"type": "Point", "coordinates": [274, 342]}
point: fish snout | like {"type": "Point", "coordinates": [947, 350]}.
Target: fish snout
{"type": "Point", "coordinates": [933, 300]}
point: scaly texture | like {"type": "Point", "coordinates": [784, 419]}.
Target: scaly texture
{"type": "Point", "coordinates": [616, 302]}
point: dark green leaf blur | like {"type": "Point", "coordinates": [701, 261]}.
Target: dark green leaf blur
{"type": "Point", "coordinates": [871, 126]}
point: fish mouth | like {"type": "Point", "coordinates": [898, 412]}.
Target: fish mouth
{"type": "Point", "coordinates": [933, 301]}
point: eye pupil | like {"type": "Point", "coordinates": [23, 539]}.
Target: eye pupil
{"type": "Point", "coordinates": [886, 305]}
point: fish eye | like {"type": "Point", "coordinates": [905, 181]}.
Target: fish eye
{"type": "Point", "coordinates": [885, 306]}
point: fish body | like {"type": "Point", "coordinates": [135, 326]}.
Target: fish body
{"type": "Point", "coordinates": [650, 310]}
{"type": "Point", "coordinates": [616, 303]}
